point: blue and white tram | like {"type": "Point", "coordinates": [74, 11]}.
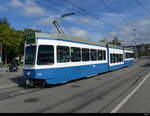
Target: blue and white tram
{"type": "Point", "coordinates": [53, 59]}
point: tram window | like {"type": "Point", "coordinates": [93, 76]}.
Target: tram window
{"type": "Point", "coordinates": [93, 55]}
{"type": "Point", "coordinates": [63, 54]}
{"type": "Point", "coordinates": [75, 54]}
{"type": "Point", "coordinates": [45, 55]}
{"type": "Point", "coordinates": [121, 57]}
{"type": "Point", "coordinates": [126, 55]}
{"type": "Point", "coordinates": [129, 55]}
{"type": "Point", "coordinates": [111, 58]}
{"type": "Point", "coordinates": [114, 58]}
{"type": "Point", "coordinates": [117, 57]}
{"type": "Point", "coordinates": [85, 54]}
{"type": "Point", "coordinates": [30, 53]}
{"type": "Point", "coordinates": [104, 55]}
{"type": "Point", "coordinates": [100, 54]}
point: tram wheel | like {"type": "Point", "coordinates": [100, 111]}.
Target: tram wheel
{"type": "Point", "coordinates": [29, 83]}
{"type": "Point", "coordinates": [42, 84]}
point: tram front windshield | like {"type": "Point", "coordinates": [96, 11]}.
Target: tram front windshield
{"type": "Point", "coordinates": [30, 53]}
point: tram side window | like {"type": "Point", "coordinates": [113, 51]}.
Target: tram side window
{"type": "Point", "coordinates": [45, 55]}
{"type": "Point", "coordinates": [63, 54]}
{"type": "Point", "coordinates": [85, 54]}
{"type": "Point", "coordinates": [129, 55]}
{"type": "Point", "coordinates": [114, 58]}
{"type": "Point", "coordinates": [126, 55]}
{"type": "Point", "coordinates": [100, 54]}
{"type": "Point", "coordinates": [117, 57]}
{"type": "Point", "coordinates": [75, 54]}
{"type": "Point", "coordinates": [104, 55]}
{"type": "Point", "coordinates": [111, 58]}
{"type": "Point", "coordinates": [93, 55]}
{"type": "Point", "coordinates": [121, 57]}
{"type": "Point", "coordinates": [132, 55]}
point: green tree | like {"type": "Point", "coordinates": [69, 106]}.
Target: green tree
{"type": "Point", "coordinates": [4, 21]}
{"type": "Point", "coordinates": [12, 40]}
{"type": "Point", "coordinates": [31, 30]}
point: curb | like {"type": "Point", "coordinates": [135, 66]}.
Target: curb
{"type": "Point", "coordinates": [8, 86]}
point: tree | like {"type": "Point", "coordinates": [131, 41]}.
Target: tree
{"type": "Point", "coordinates": [31, 30]}
{"type": "Point", "coordinates": [12, 40]}
{"type": "Point", "coordinates": [4, 21]}
{"type": "Point", "coordinates": [22, 34]}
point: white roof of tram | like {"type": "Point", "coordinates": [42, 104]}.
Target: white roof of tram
{"type": "Point", "coordinates": [77, 39]}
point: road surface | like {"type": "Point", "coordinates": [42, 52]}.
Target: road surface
{"type": "Point", "coordinates": [121, 91]}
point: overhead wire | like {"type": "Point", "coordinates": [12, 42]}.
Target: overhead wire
{"type": "Point", "coordinates": [109, 8]}
{"type": "Point", "coordinates": [100, 19]}
{"type": "Point", "coordinates": [142, 6]}
{"type": "Point", "coordinates": [84, 12]}
{"type": "Point", "coordinates": [60, 5]}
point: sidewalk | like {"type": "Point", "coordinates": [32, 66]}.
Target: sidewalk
{"type": "Point", "coordinates": [11, 79]}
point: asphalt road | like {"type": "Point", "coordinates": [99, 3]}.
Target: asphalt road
{"type": "Point", "coordinates": [98, 94]}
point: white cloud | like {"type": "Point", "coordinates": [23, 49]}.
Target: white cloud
{"type": "Point", "coordinates": [136, 30]}
{"type": "Point", "coordinates": [33, 11]}
{"type": "Point", "coordinates": [44, 21]}
{"type": "Point", "coordinates": [78, 19]}
{"type": "Point", "coordinates": [114, 18]}
{"type": "Point", "coordinates": [77, 32]}
{"type": "Point", "coordinates": [2, 8]}
{"type": "Point", "coordinates": [27, 8]}
{"type": "Point", "coordinates": [16, 3]}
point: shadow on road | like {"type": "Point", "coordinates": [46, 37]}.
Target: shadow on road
{"type": "Point", "coordinates": [146, 65]}
{"type": "Point", "coordinates": [18, 80]}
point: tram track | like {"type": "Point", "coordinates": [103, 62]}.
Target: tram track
{"type": "Point", "coordinates": [104, 93]}
{"type": "Point", "coordinates": [15, 93]}
{"type": "Point", "coordinates": [121, 94]}
{"type": "Point", "coordinates": [133, 70]}
{"type": "Point", "coordinates": [89, 91]}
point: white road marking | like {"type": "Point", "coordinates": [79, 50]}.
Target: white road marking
{"type": "Point", "coordinates": [117, 108]}
{"type": "Point", "coordinates": [22, 91]}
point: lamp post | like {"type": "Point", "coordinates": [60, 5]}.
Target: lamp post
{"type": "Point", "coordinates": [134, 41]}
{"type": "Point", "coordinates": [1, 54]}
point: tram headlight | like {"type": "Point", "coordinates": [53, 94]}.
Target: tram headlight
{"type": "Point", "coordinates": [28, 73]}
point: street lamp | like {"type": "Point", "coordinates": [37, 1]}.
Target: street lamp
{"type": "Point", "coordinates": [134, 40]}
{"type": "Point", "coordinates": [1, 56]}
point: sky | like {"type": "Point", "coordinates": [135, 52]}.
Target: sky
{"type": "Point", "coordinates": [129, 20]}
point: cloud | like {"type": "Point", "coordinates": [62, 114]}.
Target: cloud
{"type": "Point", "coordinates": [2, 8]}
{"type": "Point", "coordinates": [28, 8]}
{"type": "Point", "coordinates": [16, 3]}
{"type": "Point", "coordinates": [44, 21]}
{"type": "Point", "coordinates": [138, 32]}
{"type": "Point", "coordinates": [77, 32]}
{"type": "Point", "coordinates": [33, 11]}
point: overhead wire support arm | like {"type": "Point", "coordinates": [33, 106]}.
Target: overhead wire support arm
{"type": "Point", "coordinates": [56, 25]}
{"type": "Point", "coordinates": [55, 22]}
